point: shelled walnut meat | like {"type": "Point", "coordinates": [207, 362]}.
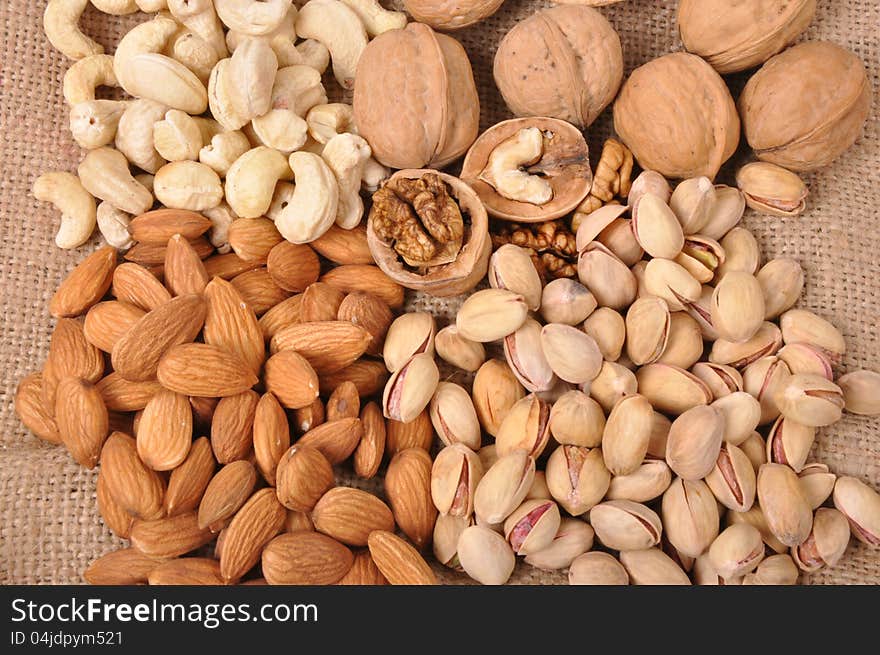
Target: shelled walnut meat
{"type": "Point", "coordinates": [551, 245]}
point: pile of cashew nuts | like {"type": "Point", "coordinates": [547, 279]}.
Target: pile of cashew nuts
{"type": "Point", "coordinates": [228, 116]}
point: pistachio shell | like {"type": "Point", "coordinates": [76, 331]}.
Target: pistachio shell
{"type": "Point", "coordinates": [701, 257]}
{"type": "Point", "coordinates": [525, 356]}
{"type": "Point", "coordinates": [619, 238]}
{"type": "Point", "coordinates": [577, 420]}
{"type": "Point", "coordinates": [454, 417]}
{"type": "Point", "coordinates": [805, 358]}
{"type": "Point", "coordinates": [701, 311]}
{"type": "Point", "coordinates": [671, 389]}
{"type": "Point", "coordinates": [627, 434]}
{"type": "Point", "coordinates": [817, 483]}
{"type": "Point", "coordinates": [613, 383]}
{"type": "Point", "coordinates": [456, 350]}
{"type": "Point", "coordinates": [647, 329]}
{"type": "Point", "coordinates": [410, 334]}
{"type": "Point", "coordinates": [733, 479]}
{"type": "Point", "coordinates": [652, 567]}
{"type": "Point", "coordinates": [608, 328]}
{"type": "Point", "coordinates": [447, 530]}
{"type": "Point", "coordinates": [495, 391]}
{"type": "Point", "coordinates": [597, 568]}
{"type": "Point", "coordinates": [861, 506]}
{"type": "Point", "coordinates": [526, 426]}
{"type": "Point", "coordinates": [625, 525]}
{"type": "Point", "coordinates": [566, 301]}
{"type": "Point", "coordinates": [485, 555]}
{"type": "Point", "coordinates": [765, 342]}
{"type": "Point", "coordinates": [454, 478]}
{"type": "Point", "coordinates": [644, 484]}
{"type": "Point", "coordinates": [810, 399]}
{"type": "Point", "coordinates": [692, 202]}
{"type": "Point", "coordinates": [491, 314]}
{"type": "Point", "coordinates": [741, 253]}
{"type": "Point", "coordinates": [755, 517]}
{"type": "Point", "coordinates": [826, 543]}
{"type": "Point", "coordinates": [656, 227]}
{"type": "Point", "coordinates": [861, 392]}
{"type": "Point", "coordinates": [756, 450]}
{"type": "Point", "coordinates": [742, 413]}
{"type": "Point", "coordinates": [511, 268]}
{"type": "Point", "coordinates": [660, 426]}
{"type": "Point", "coordinates": [771, 189]}
{"type": "Point", "coordinates": [649, 181]}
{"type": "Point", "coordinates": [504, 486]}
{"type": "Point", "coordinates": [763, 379]}
{"type": "Point", "coordinates": [671, 282]}
{"type": "Point", "coordinates": [574, 538]}
{"type": "Point", "coordinates": [725, 213]}
{"type": "Point", "coordinates": [736, 551]}
{"type": "Point", "coordinates": [577, 478]}
{"type": "Point", "coordinates": [603, 273]}
{"type": "Point", "coordinates": [690, 516]}
{"type": "Point", "coordinates": [694, 442]}
{"type": "Point", "coordinates": [721, 379]}
{"type": "Point", "coordinates": [410, 388]}
{"type": "Point", "coordinates": [572, 354]}
{"type": "Point", "coordinates": [789, 442]}
{"type": "Point", "coordinates": [774, 570]}
{"type": "Point", "coordinates": [785, 507]}
{"type": "Point", "coordinates": [592, 225]}
{"type": "Point", "coordinates": [805, 326]}
{"type": "Point", "coordinates": [782, 281]}
{"type": "Point", "coordinates": [532, 526]}
{"type": "Point", "coordinates": [685, 344]}
{"type": "Point", "coordinates": [737, 306]}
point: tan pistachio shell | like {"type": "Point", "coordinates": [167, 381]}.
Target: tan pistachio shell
{"type": "Point", "coordinates": [652, 567]}
{"type": "Point", "coordinates": [597, 568]}
{"type": "Point", "coordinates": [785, 506]}
{"type": "Point", "coordinates": [690, 516]}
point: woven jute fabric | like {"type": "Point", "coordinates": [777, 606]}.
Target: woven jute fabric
{"type": "Point", "coordinates": [49, 525]}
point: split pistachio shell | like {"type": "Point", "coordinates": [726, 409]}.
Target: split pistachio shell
{"type": "Point", "coordinates": [644, 484]}
{"type": "Point", "coordinates": [804, 358]}
{"type": "Point", "coordinates": [660, 426]}
{"type": "Point", "coordinates": [701, 257]}
{"type": "Point", "coordinates": [755, 517]}
{"type": "Point", "coordinates": [525, 356]}
{"type": "Point", "coordinates": [485, 555]}
{"type": "Point", "coordinates": [495, 391]}
{"type": "Point", "coordinates": [560, 388]}
{"type": "Point", "coordinates": [539, 487]}
{"type": "Point", "coordinates": [456, 350]}
{"type": "Point", "coordinates": [656, 228]}
{"type": "Point", "coordinates": [694, 442]}
{"type": "Point", "coordinates": [774, 570]}
{"type": "Point", "coordinates": [410, 334]}
{"type": "Point", "coordinates": [764, 379]}
{"type": "Point", "coordinates": [810, 399]}
{"type": "Point", "coordinates": [817, 483]}
{"type": "Point", "coordinates": [861, 392]}
{"type": "Point", "coordinates": [526, 426]}
{"type": "Point", "coordinates": [671, 282]}
{"type": "Point", "coordinates": [806, 326]}
{"type": "Point", "coordinates": [701, 311]}
{"type": "Point", "coordinates": [627, 434]}
{"type": "Point", "coordinates": [684, 348]}
{"type": "Point", "coordinates": [594, 223]}
{"type": "Point", "coordinates": [573, 539]}
{"type": "Point", "coordinates": [597, 568]}
{"type": "Point", "coordinates": [756, 450]}
{"type": "Point", "coordinates": [765, 342]}
{"type": "Point", "coordinates": [608, 328]}
{"type": "Point", "coordinates": [566, 301]}
{"type": "Point", "coordinates": [491, 314]}
{"type": "Point", "coordinates": [625, 525]}
{"type": "Point", "coordinates": [725, 213]}
{"type": "Point", "coordinates": [741, 413]}
{"type": "Point", "coordinates": [606, 276]}
{"type": "Point", "coordinates": [638, 269]}
{"type": "Point", "coordinates": [649, 182]}
{"type": "Point", "coordinates": [577, 420]}
{"type": "Point", "coordinates": [619, 238]}
{"type": "Point", "coordinates": [861, 506]}
{"type": "Point", "coordinates": [741, 253]}
{"type": "Point", "coordinates": [704, 573]}
{"type": "Point", "coordinates": [736, 551]}
{"type": "Point", "coordinates": [721, 379]}
{"type": "Point", "coordinates": [511, 268]}
{"type": "Point", "coordinates": [733, 479]}
{"type": "Point", "coordinates": [577, 478]}
{"type": "Point", "coordinates": [782, 281]}
{"type": "Point", "coordinates": [504, 486]}
{"type": "Point", "coordinates": [652, 567]}
{"type": "Point", "coordinates": [826, 543]}
{"type": "Point", "coordinates": [789, 442]}
{"type": "Point", "coordinates": [532, 526]}
{"type": "Point", "coordinates": [613, 383]}
{"type": "Point", "coordinates": [690, 516]}
{"type": "Point", "coordinates": [456, 472]}
{"type": "Point", "coordinates": [647, 330]}
{"type": "Point", "coordinates": [410, 388]}
{"type": "Point", "coordinates": [454, 417]}
{"type": "Point", "coordinates": [737, 306]}
{"type": "Point", "coordinates": [692, 203]}
{"type": "Point", "coordinates": [488, 456]}
{"type": "Point", "coordinates": [671, 389]}
{"type": "Point", "coordinates": [447, 530]}
{"type": "Point", "coordinates": [785, 507]}
{"type": "Point", "coordinates": [771, 189]}
{"type": "Point", "coordinates": [572, 354]}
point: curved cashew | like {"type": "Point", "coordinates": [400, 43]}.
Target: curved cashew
{"type": "Point", "coordinates": [146, 179]}
{"type": "Point", "coordinates": [315, 200]}
{"type": "Point", "coordinates": [254, 17]}
{"type": "Point", "coordinates": [312, 146]}
{"type": "Point", "coordinates": [134, 135]}
{"type": "Point", "coordinates": [374, 174]}
{"type": "Point", "coordinates": [346, 155]}
{"type": "Point", "coordinates": [188, 185]}
{"type": "Point", "coordinates": [375, 17]}
{"type": "Point", "coordinates": [223, 150]}
{"type": "Point", "coordinates": [116, 7]}
{"type": "Point", "coordinates": [192, 51]}
{"type": "Point", "coordinates": [296, 90]}
{"type": "Point", "coordinates": [61, 24]}
{"type": "Point", "coordinates": [340, 29]}
{"type": "Point", "coordinates": [177, 136]}
{"type": "Point", "coordinates": [328, 120]}
{"type": "Point", "coordinates": [104, 173]}
{"type": "Point", "coordinates": [151, 6]}
{"type": "Point", "coordinates": [250, 182]}
{"type": "Point", "coordinates": [314, 54]}
{"type": "Point", "coordinates": [208, 127]}
{"type": "Point", "coordinates": [280, 199]}
{"type": "Point", "coordinates": [200, 17]}
{"type": "Point", "coordinates": [113, 224]}
{"type": "Point", "coordinates": [93, 123]}
{"type": "Point", "coordinates": [282, 130]}
{"type": "Point", "coordinates": [240, 87]}
{"type": "Point", "coordinates": [281, 40]}
{"type": "Point", "coordinates": [85, 75]}
{"type": "Point", "coordinates": [221, 218]}
{"type": "Point", "coordinates": [77, 206]}
{"type": "Point", "coordinates": [503, 170]}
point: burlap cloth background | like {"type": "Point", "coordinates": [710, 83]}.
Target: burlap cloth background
{"type": "Point", "coordinates": [49, 525]}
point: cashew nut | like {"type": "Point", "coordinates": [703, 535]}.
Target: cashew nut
{"type": "Point", "coordinates": [104, 173]}
{"type": "Point", "coordinates": [504, 168]}
{"type": "Point", "coordinates": [221, 218]}
{"type": "Point", "coordinates": [93, 123]}
{"type": "Point", "coordinates": [281, 40]}
{"type": "Point", "coordinates": [328, 120]}
{"type": "Point", "coordinates": [280, 200]}
{"type": "Point", "coordinates": [251, 181]}
{"type": "Point", "coordinates": [188, 185]}
{"type": "Point", "coordinates": [116, 7]}
{"type": "Point", "coordinates": [208, 127]}
{"type": "Point", "coordinates": [200, 17]}
{"type": "Point", "coordinates": [296, 90]}
{"type": "Point", "coordinates": [375, 17]}
{"type": "Point", "coordinates": [77, 206]}
{"type": "Point", "coordinates": [113, 224]}
{"type": "Point", "coordinates": [134, 136]}
{"type": "Point", "coordinates": [146, 179]}
{"type": "Point", "coordinates": [177, 136]}
{"type": "Point", "coordinates": [61, 24]}
{"type": "Point", "coordinates": [223, 150]}
{"type": "Point", "coordinates": [87, 74]}
{"type": "Point", "coordinates": [254, 17]}
{"type": "Point", "coordinates": [240, 87]}
{"type": "Point", "coordinates": [315, 200]}
{"type": "Point", "coordinates": [192, 51]}
{"type": "Point", "coordinates": [346, 155]}
{"type": "Point", "coordinates": [314, 54]}
{"type": "Point", "coordinates": [374, 174]}
{"type": "Point", "coordinates": [340, 29]}
{"type": "Point", "coordinates": [151, 6]}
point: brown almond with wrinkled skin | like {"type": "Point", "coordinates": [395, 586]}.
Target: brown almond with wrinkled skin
{"type": "Point", "coordinates": [399, 562]}
{"type": "Point", "coordinates": [232, 426]}
{"type": "Point", "coordinates": [136, 355]}
{"type": "Point", "coordinates": [169, 537]}
{"type": "Point", "coordinates": [200, 369]}
{"type": "Point", "coordinates": [415, 434]}
{"type": "Point", "coordinates": [115, 517]}
{"type": "Point", "coordinates": [227, 491]}
{"type": "Point", "coordinates": [298, 521]}
{"type": "Point", "coordinates": [229, 266]}
{"type": "Point", "coordinates": [134, 284]}
{"type": "Point", "coordinates": [371, 448]}
{"type": "Point", "coordinates": [188, 482]}
{"type": "Point", "coordinates": [70, 354]}
{"type": "Point", "coordinates": [282, 315]}
{"type": "Point", "coordinates": [84, 285]}
{"type": "Point", "coordinates": [30, 409]}
{"type": "Point", "coordinates": [408, 489]}
{"type": "Point", "coordinates": [363, 572]}
{"type": "Point", "coordinates": [343, 246]}
{"type": "Point", "coordinates": [159, 225]}
{"type": "Point", "coordinates": [291, 378]}
{"type": "Point", "coordinates": [108, 321]}
{"type": "Point", "coordinates": [320, 302]}
{"type": "Point", "coordinates": [261, 518]}
{"type": "Point", "coordinates": [329, 346]}
{"type": "Point", "coordinates": [136, 488]}
{"type": "Point", "coordinates": [306, 418]}
{"type": "Point", "coordinates": [203, 412]}
{"type": "Point", "coordinates": [369, 377]}
{"type": "Point", "coordinates": [184, 271]}
{"type": "Point", "coordinates": [253, 238]}
{"type": "Point", "coordinates": [126, 566]}
{"type": "Point", "coordinates": [231, 324]}
{"type": "Point", "coordinates": [121, 395]}
{"type": "Point", "coordinates": [153, 254]}
{"type": "Point", "coordinates": [350, 515]}
{"type": "Point", "coordinates": [336, 440]}
{"type": "Point", "coordinates": [370, 279]}
{"type": "Point", "coordinates": [303, 476]}
{"type": "Point", "coordinates": [292, 266]}
{"type": "Point", "coordinates": [82, 420]}
{"type": "Point", "coordinates": [370, 313]}
{"type": "Point", "coordinates": [187, 571]}
{"type": "Point", "coordinates": [271, 435]}
{"type": "Point", "coordinates": [259, 290]}
{"type": "Point", "coordinates": [305, 558]}
{"type": "Point", "coordinates": [165, 430]}
{"type": "Point", "coordinates": [344, 402]}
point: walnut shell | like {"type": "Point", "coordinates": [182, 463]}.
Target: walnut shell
{"type": "Point", "coordinates": [565, 161]}
{"type": "Point", "coordinates": [451, 14]}
{"type": "Point", "coordinates": [677, 117]}
{"type": "Point", "coordinates": [805, 106]}
{"type": "Point", "coordinates": [451, 279]}
{"type": "Point", "coordinates": [415, 101]}
{"type": "Point", "coordinates": [564, 62]}
{"type": "Point", "coordinates": [734, 36]}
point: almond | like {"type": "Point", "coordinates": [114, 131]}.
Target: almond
{"type": "Point", "coordinates": [253, 238]}
{"type": "Point", "coordinates": [303, 476]}
{"type": "Point", "coordinates": [125, 566]}
{"type": "Point", "coordinates": [398, 561]}
{"type": "Point", "coordinates": [336, 440]}
{"type": "Point", "coordinates": [229, 265]}
{"type": "Point", "coordinates": [231, 324]}
{"type": "Point", "coordinates": [368, 376]}
{"type": "Point", "coordinates": [184, 271]}
{"type": "Point", "coordinates": [298, 521]}
{"type": "Point", "coordinates": [415, 434]}
{"type": "Point", "coordinates": [259, 290]}
{"type": "Point", "coordinates": [305, 558]}
{"type": "Point", "coordinates": [165, 431]}
{"type": "Point", "coordinates": [134, 284]}
{"type": "Point", "coordinates": [408, 489]}
{"type": "Point", "coordinates": [117, 520]}
{"type": "Point", "coordinates": [291, 378]}
{"type": "Point", "coordinates": [370, 313]}
{"type": "Point", "coordinates": [320, 302]}
{"type": "Point", "coordinates": [31, 411]}
{"type": "Point", "coordinates": [82, 420]}
{"type": "Point", "coordinates": [159, 225]}
{"type": "Point", "coordinates": [285, 313]}
{"type": "Point", "coordinates": [121, 395]}
{"type": "Point", "coordinates": [271, 435]}
{"type": "Point", "coordinates": [70, 354]}
{"type": "Point", "coordinates": [120, 422]}
{"type": "Point", "coordinates": [350, 515]}
{"type": "Point", "coordinates": [133, 486]}
{"type": "Point", "coordinates": [228, 490]}
{"type": "Point", "coordinates": [293, 266]}
{"type": "Point", "coordinates": [200, 369]}
{"type": "Point", "coordinates": [362, 277]}
{"type": "Point", "coordinates": [344, 402]}
{"type": "Point", "coordinates": [136, 355]}
{"type": "Point", "coordinates": [307, 418]}
{"type": "Point", "coordinates": [107, 321]}
{"type": "Point", "coordinates": [188, 482]}
{"type": "Point", "coordinates": [84, 285]}
{"type": "Point", "coordinates": [261, 518]}
{"type": "Point", "coordinates": [203, 412]}
{"type": "Point", "coordinates": [152, 254]}
{"type": "Point", "coordinates": [232, 426]}
{"type": "Point", "coordinates": [187, 571]}
{"type": "Point", "coordinates": [363, 572]}
{"type": "Point", "coordinates": [169, 537]}
{"type": "Point", "coordinates": [328, 346]}
{"type": "Point", "coordinates": [343, 246]}
{"type": "Point", "coordinates": [371, 447]}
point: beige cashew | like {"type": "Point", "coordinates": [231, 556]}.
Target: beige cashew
{"type": "Point", "coordinates": [250, 182]}
{"type": "Point", "coordinates": [116, 7]}
{"type": "Point", "coordinates": [146, 179]}
{"type": "Point", "coordinates": [208, 127]}
{"type": "Point", "coordinates": [374, 174]}
{"type": "Point", "coordinates": [104, 173]}
{"type": "Point", "coordinates": [221, 218]}
{"type": "Point", "coordinates": [177, 136]}
{"type": "Point", "coordinates": [254, 17]}
{"type": "Point", "coordinates": [87, 74]}
{"type": "Point", "coordinates": [223, 150]}
{"type": "Point", "coordinates": [188, 185]}
{"type": "Point", "coordinates": [315, 200]}
{"type": "Point", "coordinates": [113, 225]}
{"type": "Point", "coordinates": [193, 52]}
{"type": "Point", "coordinates": [93, 123]}
{"type": "Point", "coordinates": [340, 29]}
{"type": "Point", "coordinates": [134, 135]}
{"type": "Point", "coordinates": [375, 17]}
{"type": "Point", "coordinates": [504, 170]}
{"type": "Point", "coordinates": [201, 17]}
{"type": "Point", "coordinates": [281, 40]}
{"type": "Point", "coordinates": [151, 6]}
{"type": "Point", "coordinates": [77, 207]}
{"type": "Point", "coordinates": [346, 155]}
{"type": "Point", "coordinates": [61, 24]}
{"type": "Point", "coordinates": [327, 120]}
{"type": "Point", "coordinates": [315, 54]}
{"type": "Point", "coordinates": [240, 88]}
{"type": "Point", "coordinates": [296, 90]}
{"type": "Point", "coordinates": [280, 199]}
{"type": "Point", "coordinates": [312, 146]}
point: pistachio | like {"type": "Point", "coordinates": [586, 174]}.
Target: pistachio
{"type": "Point", "coordinates": [525, 356]}
{"type": "Point", "coordinates": [861, 392]}
{"type": "Point", "coordinates": [573, 539]}
{"type": "Point", "coordinates": [526, 426]}
{"type": "Point", "coordinates": [539, 487]}
{"type": "Point", "coordinates": [625, 525]}
{"type": "Point", "coordinates": [771, 189]}
{"type": "Point", "coordinates": [671, 282]}
{"type": "Point", "coordinates": [652, 567]}
{"type": "Point", "coordinates": [495, 391]}
{"type": "Point", "coordinates": [647, 330]}
{"type": "Point", "coordinates": [690, 516]}
{"type": "Point", "coordinates": [733, 480]}
{"type": "Point", "coordinates": [692, 202]}
{"type": "Point", "coordinates": [577, 420]}
{"type": "Point", "coordinates": [619, 238]}
{"type": "Point", "coordinates": [656, 228]}
{"type": "Point", "coordinates": [577, 478]}
{"type": "Point", "coordinates": [861, 506]}
{"type": "Point", "coordinates": [609, 279]}
{"type": "Point", "coordinates": [806, 358]}
{"type": "Point", "coordinates": [701, 311]}
{"type": "Point", "coordinates": [763, 379]}
{"type": "Point", "coordinates": [755, 517]}
{"type": "Point", "coordinates": [504, 486]}
{"type": "Point", "coordinates": [782, 281]}
{"type": "Point", "coordinates": [608, 328]}
{"type": "Point", "coordinates": [817, 483]}
{"type": "Point", "coordinates": [725, 213]}
{"type": "Point", "coordinates": [409, 334]}
{"type": "Point", "coordinates": [597, 568]}
{"type": "Point", "coordinates": [741, 412]}
{"type": "Point", "coordinates": [560, 388]}
{"type": "Point", "coordinates": [454, 417]}
{"type": "Point", "coordinates": [572, 354]}
{"type": "Point", "coordinates": [454, 478]}
{"type": "Point", "coordinates": [701, 256]}
{"type": "Point", "coordinates": [410, 388]}
{"type": "Point", "coordinates": [705, 574]}
{"type": "Point", "coordinates": [737, 306]}
{"type": "Point", "coordinates": [649, 182]}
{"type": "Point", "coordinates": [627, 434]}
{"type": "Point", "coordinates": [594, 223]}
{"type": "Point", "coordinates": [826, 543]}
{"type": "Point", "coordinates": [721, 379]}
{"type": "Point", "coordinates": [491, 314]}
{"type": "Point", "coordinates": [660, 426]}
{"type": "Point", "coordinates": [566, 301]}
{"type": "Point", "coordinates": [638, 269]}
{"type": "Point", "coordinates": [456, 350]}
{"type": "Point", "coordinates": [810, 399]}
{"type": "Point", "coordinates": [785, 507]}
{"type": "Point", "coordinates": [488, 456]}
{"type": "Point", "coordinates": [685, 344]}
{"type": "Point", "coordinates": [485, 555]}
{"type": "Point", "coordinates": [755, 449]}
{"type": "Point", "coordinates": [765, 342]}
{"type": "Point", "coordinates": [447, 530]}
{"type": "Point", "coordinates": [613, 383]}
{"type": "Point", "coordinates": [532, 526]}
{"type": "Point", "coordinates": [511, 268]}
{"type": "Point", "coordinates": [644, 484]}
{"type": "Point", "coordinates": [774, 570]}
{"type": "Point", "coordinates": [671, 389]}
{"type": "Point", "coordinates": [694, 442]}
{"type": "Point", "coordinates": [736, 551]}
{"type": "Point", "coordinates": [789, 442]}
{"type": "Point", "coordinates": [740, 253]}
{"type": "Point", "coordinates": [802, 325]}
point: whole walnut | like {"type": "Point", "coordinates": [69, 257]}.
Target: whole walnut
{"type": "Point", "coordinates": [564, 62]}
{"type": "Point", "coordinates": [677, 117]}
{"type": "Point", "coordinates": [734, 36]}
{"type": "Point", "coordinates": [805, 106]}
{"type": "Point", "coordinates": [415, 101]}
{"type": "Point", "coordinates": [451, 14]}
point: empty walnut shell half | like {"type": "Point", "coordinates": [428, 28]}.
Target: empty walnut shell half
{"type": "Point", "coordinates": [498, 169]}
{"type": "Point", "coordinates": [451, 14]}
{"type": "Point", "coordinates": [415, 101]}
{"type": "Point", "coordinates": [456, 265]}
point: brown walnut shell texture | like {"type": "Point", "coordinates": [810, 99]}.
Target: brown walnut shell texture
{"type": "Point", "coordinates": [805, 106]}
{"type": "Point", "coordinates": [677, 117]}
{"type": "Point", "coordinates": [735, 36]}
{"type": "Point", "coordinates": [451, 279]}
{"type": "Point", "coordinates": [415, 100]}
{"type": "Point", "coordinates": [565, 62]}
{"type": "Point", "coordinates": [451, 14]}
